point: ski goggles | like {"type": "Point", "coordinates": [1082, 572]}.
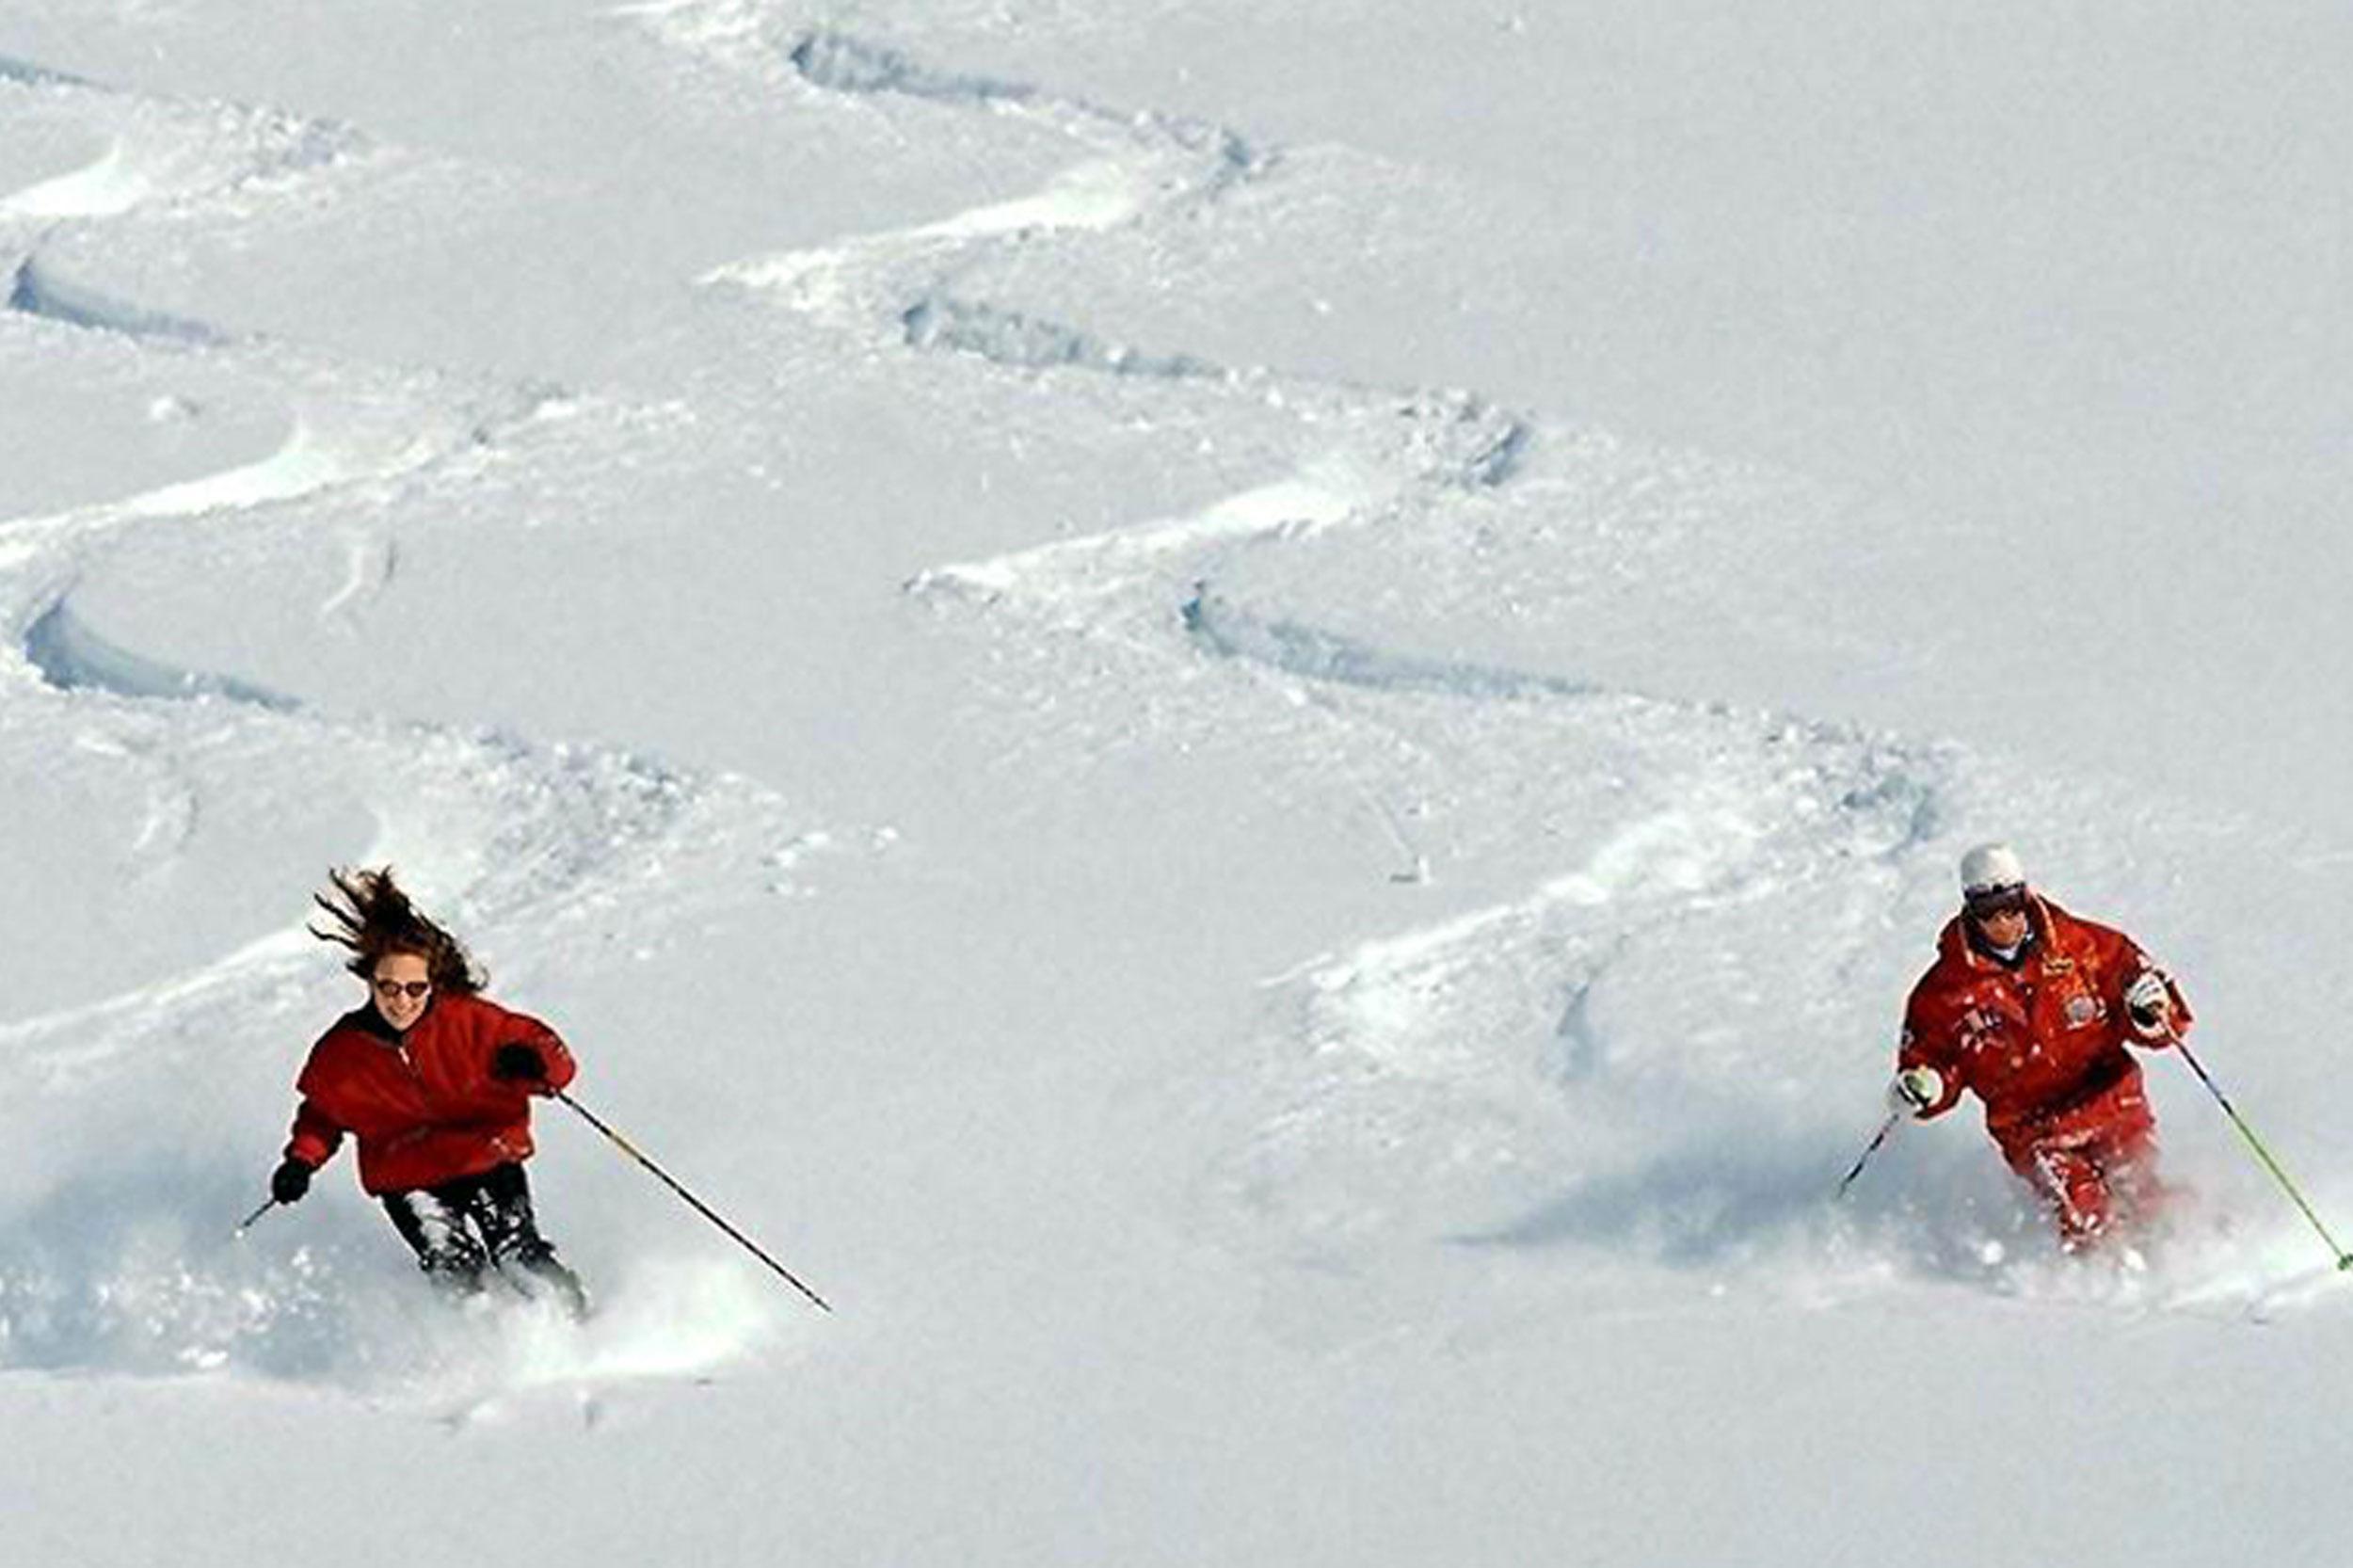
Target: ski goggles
{"type": "Point", "coordinates": [1985, 901]}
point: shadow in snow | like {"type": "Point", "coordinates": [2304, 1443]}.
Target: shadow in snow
{"type": "Point", "coordinates": [1584, 1049]}
{"type": "Point", "coordinates": [71, 658]}
{"type": "Point", "coordinates": [36, 293]}
{"type": "Point", "coordinates": [1317, 655]}
{"type": "Point", "coordinates": [1501, 463]}
{"type": "Point", "coordinates": [1691, 1207]}
{"type": "Point", "coordinates": [834, 62]}
{"type": "Point", "coordinates": [1714, 1206]}
{"type": "Point", "coordinates": [138, 1270]}
{"type": "Point", "coordinates": [25, 74]}
{"type": "Point", "coordinates": [1023, 343]}
{"type": "Point", "coordinates": [841, 64]}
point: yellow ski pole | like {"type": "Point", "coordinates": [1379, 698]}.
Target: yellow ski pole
{"type": "Point", "coordinates": [2345, 1259]}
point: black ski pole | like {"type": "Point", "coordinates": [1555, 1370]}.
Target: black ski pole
{"type": "Point", "coordinates": [247, 1223]}
{"type": "Point", "coordinates": [696, 1204]}
{"type": "Point", "coordinates": [1873, 1147]}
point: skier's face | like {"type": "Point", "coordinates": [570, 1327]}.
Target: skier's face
{"type": "Point", "coordinates": [401, 987]}
{"type": "Point", "coordinates": [2004, 928]}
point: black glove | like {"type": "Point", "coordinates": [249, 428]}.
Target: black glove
{"type": "Point", "coordinates": [517, 1061]}
{"type": "Point", "coordinates": [289, 1181]}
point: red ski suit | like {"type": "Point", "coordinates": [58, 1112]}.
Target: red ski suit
{"type": "Point", "coordinates": [2043, 1045]}
{"type": "Point", "coordinates": [422, 1105]}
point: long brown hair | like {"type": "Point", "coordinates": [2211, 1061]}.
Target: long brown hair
{"type": "Point", "coordinates": [373, 917]}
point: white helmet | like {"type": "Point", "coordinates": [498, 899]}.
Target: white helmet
{"type": "Point", "coordinates": [1992, 873]}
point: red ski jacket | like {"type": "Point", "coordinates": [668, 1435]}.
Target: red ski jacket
{"type": "Point", "coordinates": [422, 1105]}
{"type": "Point", "coordinates": [2040, 1044]}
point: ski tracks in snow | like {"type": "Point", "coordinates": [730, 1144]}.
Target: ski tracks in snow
{"type": "Point", "coordinates": [147, 151]}
{"type": "Point", "coordinates": [1630, 1054]}
{"type": "Point", "coordinates": [1129, 167]}
{"type": "Point", "coordinates": [353, 432]}
{"type": "Point", "coordinates": [220, 779]}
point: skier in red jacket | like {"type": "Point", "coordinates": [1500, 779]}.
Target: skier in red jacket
{"type": "Point", "coordinates": [2031, 1009]}
{"type": "Point", "coordinates": [434, 1083]}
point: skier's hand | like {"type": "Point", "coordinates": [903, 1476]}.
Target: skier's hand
{"type": "Point", "coordinates": [518, 1063]}
{"type": "Point", "coordinates": [290, 1181]}
{"type": "Point", "coordinates": [1915, 1090]}
{"type": "Point", "coordinates": [2148, 1004]}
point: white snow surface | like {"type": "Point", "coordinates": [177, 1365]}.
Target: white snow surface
{"type": "Point", "coordinates": [1246, 716]}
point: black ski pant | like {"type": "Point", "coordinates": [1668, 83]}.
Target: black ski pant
{"type": "Point", "coordinates": [461, 1227]}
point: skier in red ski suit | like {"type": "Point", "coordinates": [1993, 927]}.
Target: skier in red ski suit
{"type": "Point", "coordinates": [2031, 1009]}
{"type": "Point", "coordinates": [434, 1082]}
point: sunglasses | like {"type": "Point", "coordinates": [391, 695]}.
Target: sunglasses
{"type": "Point", "coordinates": [413, 989]}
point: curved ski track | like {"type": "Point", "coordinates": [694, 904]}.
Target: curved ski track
{"type": "Point", "coordinates": [1423, 1088]}
{"type": "Point", "coordinates": [554, 828]}
{"type": "Point", "coordinates": [508, 833]}
{"type": "Point", "coordinates": [1463, 1082]}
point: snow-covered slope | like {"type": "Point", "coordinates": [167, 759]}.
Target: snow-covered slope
{"type": "Point", "coordinates": [1247, 717]}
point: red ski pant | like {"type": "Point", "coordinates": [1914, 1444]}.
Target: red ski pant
{"type": "Point", "coordinates": [2096, 1166]}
